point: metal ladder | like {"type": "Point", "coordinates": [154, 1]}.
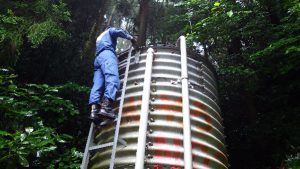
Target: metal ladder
{"type": "Point", "coordinates": [90, 145]}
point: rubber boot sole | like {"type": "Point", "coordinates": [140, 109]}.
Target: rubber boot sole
{"type": "Point", "coordinates": [104, 114]}
{"type": "Point", "coordinates": [95, 120]}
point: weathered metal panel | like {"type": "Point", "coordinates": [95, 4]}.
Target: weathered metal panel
{"type": "Point", "coordinates": [165, 131]}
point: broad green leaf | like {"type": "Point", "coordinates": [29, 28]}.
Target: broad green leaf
{"type": "Point", "coordinates": [230, 13]}
{"type": "Point", "coordinates": [4, 70]}
{"type": "Point", "coordinates": [23, 161]}
{"type": "Point", "coordinates": [51, 148]}
{"type": "Point", "coordinates": [29, 129]}
{"type": "Point", "coordinates": [3, 144]}
{"type": "Point", "coordinates": [4, 133]}
{"type": "Point", "coordinates": [30, 113]}
{"type": "Point", "coordinates": [217, 4]}
{"type": "Point", "coordinates": [45, 85]}
{"type": "Point", "coordinates": [40, 123]}
{"type": "Point", "coordinates": [50, 166]}
{"type": "Point", "coordinates": [5, 157]}
{"type": "Point", "coordinates": [22, 136]}
{"type": "Point", "coordinates": [53, 90]}
{"type": "Point", "coordinates": [22, 152]}
{"type": "Point", "coordinates": [66, 136]}
{"type": "Point", "coordinates": [45, 142]}
{"type": "Point", "coordinates": [12, 87]}
{"type": "Point", "coordinates": [25, 142]}
{"type": "Point", "coordinates": [61, 140]}
{"type": "Point", "coordinates": [76, 153]}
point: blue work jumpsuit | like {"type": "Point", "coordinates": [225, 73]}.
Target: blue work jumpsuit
{"type": "Point", "coordinates": [106, 75]}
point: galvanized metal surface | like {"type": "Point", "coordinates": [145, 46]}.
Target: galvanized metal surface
{"type": "Point", "coordinates": [164, 143]}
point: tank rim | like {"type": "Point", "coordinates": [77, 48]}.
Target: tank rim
{"type": "Point", "coordinates": [191, 54]}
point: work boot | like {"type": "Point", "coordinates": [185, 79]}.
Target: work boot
{"type": "Point", "coordinates": [94, 117]}
{"type": "Point", "coordinates": [106, 109]}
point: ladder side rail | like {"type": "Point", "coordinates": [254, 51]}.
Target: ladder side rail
{"type": "Point", "coordinates": [113, 154]}
{"type": "Point", "coordinates": [85, 159]}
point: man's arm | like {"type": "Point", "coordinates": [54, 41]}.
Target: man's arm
{"type": "Point", "coordinates": [120, 33]}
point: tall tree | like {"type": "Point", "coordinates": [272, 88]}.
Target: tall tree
{"type": "Point", "coordinates": [31, 21]}
{"type": "Point", "coordinates": [96, 29]}
{"type": "Point", "coordinates": [255, 44]}
{"type": "Point", "coordinates": [142, 22]}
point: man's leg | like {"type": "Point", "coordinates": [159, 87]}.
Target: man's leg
{"type": "Point", "coordinates": [110, 70]}
{"type": "Point", "coordinates": [112, 81]}
{"type": "Point", "coordinates": [96, 91]}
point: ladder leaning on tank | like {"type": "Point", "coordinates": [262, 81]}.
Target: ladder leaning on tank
{"type": "Point", "coordinates": [90, 145]}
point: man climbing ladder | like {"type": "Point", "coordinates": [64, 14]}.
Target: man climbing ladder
{"type": "Point", "coordinates": [106, 76]}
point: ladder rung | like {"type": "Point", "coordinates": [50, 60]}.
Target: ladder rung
{"type": "Point", "coordinates": [101, 146]}
{"type": "Point", "coordinates": [90, 144]}
{"type": "Point", "coordinates": [122, 141]}
{"type": "Point", "coordinates": [108, 121]}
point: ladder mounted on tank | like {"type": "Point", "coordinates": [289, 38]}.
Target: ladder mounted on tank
{"type": "Point", "coordinates": [90, 145]}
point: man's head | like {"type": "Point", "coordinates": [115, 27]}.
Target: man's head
{"type": "Point", "coordinates": [105, 28]}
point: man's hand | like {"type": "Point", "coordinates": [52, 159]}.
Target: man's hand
{"type": "Point", "coordinates": [134, 44]}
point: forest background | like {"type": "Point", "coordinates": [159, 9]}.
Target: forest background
{"type": "Point", "coordinates": [47, 51]}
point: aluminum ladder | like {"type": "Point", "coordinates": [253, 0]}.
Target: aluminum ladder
{"type": "Point", "coordinates": [90, 145]}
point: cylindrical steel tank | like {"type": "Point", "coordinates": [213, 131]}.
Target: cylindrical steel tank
{"type": "Point", "coordinates": [164, 143]}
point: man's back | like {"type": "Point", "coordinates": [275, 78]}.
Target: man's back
{"type": "Point", "coordinates": [108, 39]}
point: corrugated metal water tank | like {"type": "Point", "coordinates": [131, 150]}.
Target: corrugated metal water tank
{"type": "Point", "coordinates": [165, 128]}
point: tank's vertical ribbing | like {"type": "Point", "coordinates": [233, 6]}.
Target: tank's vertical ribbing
{"type": "Point", "coordinates": [140, 154]}
{"type": "Point", "coordinates": [187, 143]}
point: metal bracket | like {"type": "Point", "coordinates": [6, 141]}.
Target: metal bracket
{"type": "Point", "coordinates": [137, 57]}
{"type": "Point", "coordinates": [190, 85]}
{"type": "Point", "coordinates": [176, 82]}
{"type": "Point", "coordinates": [173, 82]}
{"type": "Point", "coordinates": [122, 141]}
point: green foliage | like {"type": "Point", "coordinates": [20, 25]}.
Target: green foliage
{"type": "Point", "coordinates": [293, 161]}
{"type": "Point", "coordinates": [32, 117]}
{"type": "Point", "coordinates": [21, 144]}
{"type": "Point", "coordinates": [32, 100]}
{"type": "Point", "coordinates": [63, 162]}
{"type": "Point", "coordinates": [256, 45]}
{"type": "Point", "coordinates": [36, 20]}
{"type": "Point", "coordinates": [38, 32]}
{"type": "Point", "coordinates": [10, 29]}
{"type": "Point", "coordinates": [283, 47]}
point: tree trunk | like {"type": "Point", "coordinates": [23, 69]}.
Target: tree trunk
{"type": "Point", "coordinates": [235, 46]}
{"type": "Point", "coordinates": [274, 12]}
{"type": "Point", "coordinates": [12, 164]}
{"type": "Point", "coordinates": [111, 15]}
{"type": "Point", "coordinates": [251, 107]}
{"type": "Point", "coordinates": [142, 31]}
{"type": "Point", "coordinates": [89, 49]}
